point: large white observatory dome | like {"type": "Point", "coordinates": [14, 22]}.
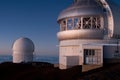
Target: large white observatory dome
{"type": "Point", "coordinates": [89, 33]}
{"type": "Point", "coordinates": [23, 49]}
{"type": "Point", "coordinates": [89, 19]}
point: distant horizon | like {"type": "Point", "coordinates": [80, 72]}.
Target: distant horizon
{"type": "Point", "coordinates": [33, 54]}
{"type": "Point", "coordinates": [49, 59]}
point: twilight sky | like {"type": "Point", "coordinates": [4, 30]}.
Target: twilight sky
{"type": "Point", "coordinates": [35, 19]}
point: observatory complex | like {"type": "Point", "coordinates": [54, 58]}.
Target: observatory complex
{"type": "Point", "coordinates": [23, 49]}
{"type": "Point", "coordinates": [89, 33]}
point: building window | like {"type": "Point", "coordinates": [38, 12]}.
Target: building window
{"type": "Point", "coordinates": [91, 23]}
{"type": "Point", "coordinates": [70, 24]}
{"type": "Point", "coordinates": [63, 25]}
{"type": "Point", "coordinates": [87, 23]}
{"type": "Point", "coordinates": [77, 23]}
{"type": "Point", "coordinates": [92, 56]}
{"type": "Point", "coordinates": [96, 23]}
{"type": "Point", "coordinates": [74, 23]}
{"type": "Point", "coordinates": [89, 52]}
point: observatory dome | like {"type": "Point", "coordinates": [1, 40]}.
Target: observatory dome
{"type": "Point", "coordinates": [23, 44]}
{"type": "Point", "coordinates": [84, 19]}
{"type": "Point", "coordinates": [81, 8]}
{"type": "Point", "coordinates": [89, 19]}
{"type": "Point", "coordinates": [89, 33]}
{"type": "Point", "coordinates": [23, 49]}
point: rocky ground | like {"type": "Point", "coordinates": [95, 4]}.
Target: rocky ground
{"type": "Point", "coordinates": [46, 71]}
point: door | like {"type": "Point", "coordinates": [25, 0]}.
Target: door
{"type": "Point", "coordinates": [92, 56]}
{"type": "Point", "coordinates": [72, 61]}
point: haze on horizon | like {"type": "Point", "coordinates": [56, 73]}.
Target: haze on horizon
{"type": "Point", "coordinates": [35, 19]}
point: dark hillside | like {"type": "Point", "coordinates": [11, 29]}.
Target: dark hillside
{"type": "Point", "coordinates": [46, 71]}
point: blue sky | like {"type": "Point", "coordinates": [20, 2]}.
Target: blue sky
{"type": "Point", "coordinates": [35, 19]}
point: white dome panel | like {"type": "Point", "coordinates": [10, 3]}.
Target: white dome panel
{"type": "Point", "coordinates": [23, 44]}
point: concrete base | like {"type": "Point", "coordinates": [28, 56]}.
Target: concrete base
{"type": "Point", "coordinates": [90, 67]}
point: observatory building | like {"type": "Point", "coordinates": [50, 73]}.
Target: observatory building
{"type": "Point", "coordinates": [23, 49]}
{"type": "Point", "coordinates": [89, 33]}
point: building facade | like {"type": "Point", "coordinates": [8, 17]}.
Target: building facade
{"type": "Point", "coordinates": [89, 33]}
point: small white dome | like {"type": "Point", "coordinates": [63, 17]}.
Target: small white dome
{"type": "Point", "coordinates": [23, 45]}
{"type": "Point", "coordinates": [23, 49]}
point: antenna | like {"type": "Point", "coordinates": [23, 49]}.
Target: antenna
{"type": "Point", "coordinates": [117, 36]}
{"type": "Point", "coordinates": [75, 0]}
